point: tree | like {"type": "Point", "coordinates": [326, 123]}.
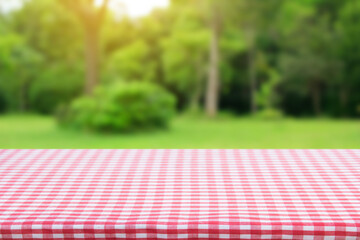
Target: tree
{"type": "Point", "coordinates": [213, 84]}
{"type": "Point", "coordinates": [249, 24]}
{"type": "Point", "coordinates": [185, 54]}
{"type": "Point", "coordinates": [267, 97]}
{"type": "Point", "coordinates": [348, 26]}
{"type": "Point", "coordinates": [19, 65]}
{"type": "Point", "coordinates": [50, 29]}
{"type": "Point", "coordinates": [215, 15]}
{"type": "Point", "coordinates": [131, 63]}
{"type": "Point", "coordinates": [91, 19]}
{"type": "Point", "coordinates": [42, 36]}
{"type": "Point", "coordinates": [308, 62]}
{"type": "Point", "coordinates": [256, 20]}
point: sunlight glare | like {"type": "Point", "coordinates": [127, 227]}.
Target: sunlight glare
{"type": "Point", "coordinates": [136, 8]}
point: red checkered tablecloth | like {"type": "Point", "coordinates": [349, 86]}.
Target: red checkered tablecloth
{"type": "Point", "coordinates": [180, 194]}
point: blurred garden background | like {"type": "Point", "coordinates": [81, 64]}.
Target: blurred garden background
{"type": "Point", "coordinates": [179, 74]}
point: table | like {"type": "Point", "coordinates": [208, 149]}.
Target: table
{"type": "Point", "coordinates": [180, 194]}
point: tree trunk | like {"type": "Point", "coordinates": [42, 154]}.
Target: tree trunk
{"type": "Point", "coordinates": [92, 18]}
{"type": "Point", "coordinates": [92, 59]}
{"type": "Point", "coordinates": [252, 77]}
{"type": "Point", "coordinates": [316, 97]}
{"type": "Point", "coordinates": [212, 92]}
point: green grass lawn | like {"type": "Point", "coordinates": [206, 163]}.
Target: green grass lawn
{"type": "Point", "coordinates": [31, 131]}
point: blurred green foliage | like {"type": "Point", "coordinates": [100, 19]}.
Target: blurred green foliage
{"type": "Point", "coordinates": [131, 63]}
{"type": "Point", "coordinates": [59, 84]}
{"type": "Point", "coordinates": [121, 107]}
{"type": "Point", "coordinates": [297, 57]}
{"type": "Point", "coordinates": [37, 58]}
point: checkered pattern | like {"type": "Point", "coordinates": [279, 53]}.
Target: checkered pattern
{"type": "Point", "coordinates": [180, 194]}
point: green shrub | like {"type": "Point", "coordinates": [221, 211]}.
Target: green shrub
{"type": "Point", "coordinates": [121, 107]}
